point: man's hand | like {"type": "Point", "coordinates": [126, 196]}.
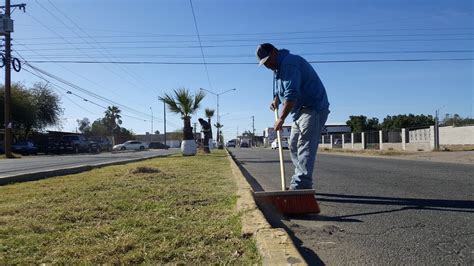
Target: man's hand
{"type": "Point", "coordinates": [274, 104]}
{"type": "Point", "coordinates": [278, 124]}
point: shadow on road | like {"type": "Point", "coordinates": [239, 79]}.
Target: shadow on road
{"type": "Point", "coordinates": [404, 203]}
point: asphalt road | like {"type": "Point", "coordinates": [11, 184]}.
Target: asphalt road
{"type": "Point", "coordinates": [376, 210]}
{"type": "Point", "coordinates": [31, 164]}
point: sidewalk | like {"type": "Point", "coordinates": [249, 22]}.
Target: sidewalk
{"type": "Point", "coordinates": [463, 157]}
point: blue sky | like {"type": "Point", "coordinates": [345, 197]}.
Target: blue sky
{"type": "Point", "coordinates": [163, 31]}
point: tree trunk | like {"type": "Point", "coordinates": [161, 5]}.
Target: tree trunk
{"type": "Point", "coordinates": [187, 130]}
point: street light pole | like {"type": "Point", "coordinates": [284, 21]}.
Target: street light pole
{"type": "Point", "coordinates": [218, 118]}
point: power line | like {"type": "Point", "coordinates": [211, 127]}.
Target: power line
{"type": "Point", "coordinates": [126, 69]}
{"type": "Point", "coordinates": [155, 35]}
{"type": "Point", "coordinates": [92, 94]}
{"type": "Point", "coordinates": [248, 63]}
{"type": "Point", "coordinates": [176, 56]}
{"type": "Point", "coordinates": [80, 97]}
{"type": "Point", "coordinates": [74, 47]}
{"type": "Point", "coordinates": [200, 44]}
{"type": "Point", "coordinates": [89, 93]}
{"type": "Point", "coordinates": [252, 45]}
{"type": "Point", "coordinates": [75, 86]}
{"type": "Point", "coordinates": [259, 39]}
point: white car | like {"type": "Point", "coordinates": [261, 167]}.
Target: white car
{"type": "Point", "coordinates": [284, 144]}
{"type": "Point", "coordinates": [130, 145]}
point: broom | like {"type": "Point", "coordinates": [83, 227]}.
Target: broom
{"type": "Point", "coordinates": [300, 201]}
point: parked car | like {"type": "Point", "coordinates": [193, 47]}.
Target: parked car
{"type": "Point", "coordinates": [79, 143]}
{"type": "Point", "coordinates": [130, 145]}
{"type": "Point", "coordinates": [24, 148]}
{"type": "Point", "coordinates": [231, 143]}
{"type": "Point", "coordinates": [54, 146]}
{"type": "Point", "coordinates": [158, 145]}
{"type": "Point", "coordinates": [284, 144]}
{"type": "Point", "coordinates": [104, 143]}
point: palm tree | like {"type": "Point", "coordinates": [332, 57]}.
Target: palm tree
{"type": "Point", "coordinates": [112, 120]}
{"type": "Point", "coordinates": [209, 115]}
{"type": "Point", "coordinates": [183, 103]}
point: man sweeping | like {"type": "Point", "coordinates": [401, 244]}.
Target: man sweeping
{"type": "Point", "coordinates": [303, 95]}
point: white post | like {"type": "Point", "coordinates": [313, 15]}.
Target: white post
{"type": "Point", "coordinates": [432, 138]}
{"type": "Point", "coordinates": [322, 139]}
{"type": "Point", "coordinates": [342, 141]}
{"type": "Point", "coordinates": [330, 139]}
{"type": "Point", "coordinates": [352, 140]}
{"type": "Point", "coordinates": [404, 139]}
{"type": "Point", "coordinates": [380, 140]}
{"type": "Point", "coordinates": [363, 140]}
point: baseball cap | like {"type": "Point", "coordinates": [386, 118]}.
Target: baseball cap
{"type": "Point", "coordinates": [263, 52]}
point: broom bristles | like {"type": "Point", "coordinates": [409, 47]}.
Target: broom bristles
{"type": "Point", "coordinates": [291, 201]}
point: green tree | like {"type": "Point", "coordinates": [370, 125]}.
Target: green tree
{"type": "Point", "coordinates": [112, 119]}
{"type": "Point", "coordinates": [98, 128]}
{"type": "Point", "coordinates": [456, 120]}
{"type": "Point", "coordinates": [47, 106]}
{"type": "Point", "coordinates": [84, 125]}
{"type": "Point", "coordinates": [361, 123]}
{"type": "Point", "coordinates": [407, 121]}
{"type": "Point", "coordinates": [126, 133]}
{"type": "Point", "coordinates": [183, 103]}
{"type": "Point", "coordinates": [32, 109]}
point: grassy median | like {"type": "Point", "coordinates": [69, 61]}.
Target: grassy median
{"type": "Point", "coordinates": [167, 210]}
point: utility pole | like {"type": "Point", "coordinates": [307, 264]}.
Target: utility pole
{"type": "Point", "coordinates": [436, 128]}
{"type": "Point", "coordinates": [253, 128]}
{"type": "Point", "coordinates": [436, 131]}
{"type": "Point", "coordinates": [164, 118]}
{"type": "Point", "coordinates": [151, 133]}
{"type": "Point", "coordinates": [253, 125]}
{"type": "Point", "coordinates": [7, 28]}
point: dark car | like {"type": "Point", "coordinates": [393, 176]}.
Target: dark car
{"type": "Point", "coordinates": [158, 145]}
{"type": "Point", "coordinates": [79, 143]}
{"type": "Point", "coordinates": [54, 146]}
{"type": "Point", "coordinates": [24, 148]}
{"type": "Point", "coordinates": [104, 143]}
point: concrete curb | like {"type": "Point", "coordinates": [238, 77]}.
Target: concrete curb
{"type": "Point", "coordinates": [32, 176]}
{"type": "Point", "coordinates": [274, 244]}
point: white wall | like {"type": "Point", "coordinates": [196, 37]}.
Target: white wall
{"type": "Point", "coordinates": [456, 135]}
{"type": "Point", "coordinates": [419, 135]}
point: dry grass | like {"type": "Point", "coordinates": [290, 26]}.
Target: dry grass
{"type": "Point", "coordinates": [177, 210]}
{"type": "Point", "coordinates": [457, 148]}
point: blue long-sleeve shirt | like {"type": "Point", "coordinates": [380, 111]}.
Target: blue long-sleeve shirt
{"type": "Point", "coordinates": [297, 81]}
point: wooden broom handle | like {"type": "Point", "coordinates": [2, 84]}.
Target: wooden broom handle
{"type": "Point", "coordinates": [280, 152]}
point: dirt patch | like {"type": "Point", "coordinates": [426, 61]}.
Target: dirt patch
{"type": "Point", "coordinates": [145, 170]}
